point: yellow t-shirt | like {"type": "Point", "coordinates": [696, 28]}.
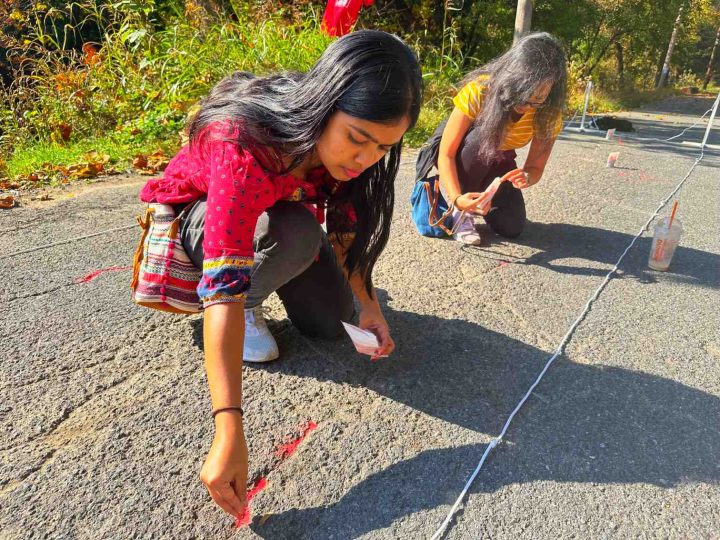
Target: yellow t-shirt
{"type": "Point", "coordinates": [470, 101]}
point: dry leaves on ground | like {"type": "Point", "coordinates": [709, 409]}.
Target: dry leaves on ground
{"type": "Point", "coordinates": [8, 199]}
{"type": "Point", "coordinates": [93, 164]}
{"type": "Point", "coordinates": [152, 163]}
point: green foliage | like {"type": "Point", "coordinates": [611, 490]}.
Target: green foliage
{"type": "Point", "coordinates": [128, 72]}
{"type": "Point", "coordinates": [140, 82]}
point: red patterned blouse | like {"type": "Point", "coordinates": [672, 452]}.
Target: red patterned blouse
{"type": "Point", "coordinates": [239, 189]}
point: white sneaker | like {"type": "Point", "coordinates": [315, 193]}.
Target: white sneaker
{"type": "Point", "coordinates": [259, 345]}
{"type": "Point", "coordinates": [466, 233]}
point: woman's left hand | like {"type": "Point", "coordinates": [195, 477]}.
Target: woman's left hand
{"type": "Point", "coordinates": [372, 319]}
{"type": "Point", "coordinates": [518, 178]}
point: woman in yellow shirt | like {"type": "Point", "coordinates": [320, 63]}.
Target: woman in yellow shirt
{"type": "Point", "coordinates": [514, 100]}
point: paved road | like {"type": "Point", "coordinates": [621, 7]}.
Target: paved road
{"type": "Point", "coordinates": [104, 413]}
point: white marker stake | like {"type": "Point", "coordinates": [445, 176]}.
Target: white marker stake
{"type": "Point", "coordinates": [710, 122]}
{"type": "Point", "coordinates": [588, 90]}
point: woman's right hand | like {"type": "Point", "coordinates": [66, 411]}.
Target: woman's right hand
{"type": "Point", "coordinates": [469, 202]}
{"type": "Point", "coordinates": [225, 470]}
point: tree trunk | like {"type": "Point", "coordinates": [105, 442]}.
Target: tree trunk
{"type": "Point", "coordinates": [620, 64]}
{"type": "Point", "coordinates": [588, 71]}
{"type": "Point", "coordinates": [709, 72]}
{"type": "Point", "coordinates": [523, 18]}
{"type": "Point", "coordinates": [671, 47]}
{"type": "Point", "coordinates": [591, 45]}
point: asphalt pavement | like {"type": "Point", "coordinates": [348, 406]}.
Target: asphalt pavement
{"type": "Point", "coordinates": [104, 416]}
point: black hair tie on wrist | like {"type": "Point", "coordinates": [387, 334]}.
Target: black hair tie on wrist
{"type": "Point", "coordinates": [216, 411]}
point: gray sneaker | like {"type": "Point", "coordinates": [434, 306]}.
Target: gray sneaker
{"type": "Point", "coordinates": [259, 344]}
{"type": "Point", "coordinates": [466, 233]}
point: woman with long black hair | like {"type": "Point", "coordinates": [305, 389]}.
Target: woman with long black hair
{"type": "Point", "coordinates": [268, 160]}
{"type": "Point", "coordinates": [514, 100]}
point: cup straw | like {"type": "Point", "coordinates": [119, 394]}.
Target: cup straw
{"type": "Point", "coordinates": [672, 215]}
{"type": "Point", "coordinates": [660, 247]}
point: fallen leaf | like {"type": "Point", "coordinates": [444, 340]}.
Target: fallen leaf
{"type": "Point", "coordinates": [140, 161]}
{"type": "Point", "coordinates": [65, 131]}
{"type": "Point", "coordinates": [96, 157]}
{"type": "Point", "coordinates": [157, 161]}
{"type": "Point", "coordinates": [7, 201]}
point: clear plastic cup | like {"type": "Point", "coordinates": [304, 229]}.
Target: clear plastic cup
{"type": "Point", "coordinates": [612, 158]}
{"type": "Point", "coordinates": [664, 243]}
{"type": "Point", "coordinates": [610, 134]}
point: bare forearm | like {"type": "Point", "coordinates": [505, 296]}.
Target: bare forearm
{"type": "Point", "coordinates": [357, 281]}
{"type": "Point", "coordinates": [449, 177]}
{"type": "Point", "coordinates": [537, 159]}
{"type": "Point", "coordinates": [223, 336]}
{"type": "Point", "coordinates": [534, 174]}
{"type": "Point", "coordinates": [357, 284]}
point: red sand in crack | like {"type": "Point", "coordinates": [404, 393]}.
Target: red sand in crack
{"type": "Point", "coordinates": [244, 518]}
{"type": "Point", "coordinates": [96, 273]}
{"type": "Point", "coordinates": [284, 451]}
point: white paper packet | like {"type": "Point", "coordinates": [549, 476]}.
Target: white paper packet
{"type": "Point", "coordinates": [365, 341]}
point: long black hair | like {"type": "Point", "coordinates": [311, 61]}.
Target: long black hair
{"type": "Point", "coordinates": [511, 80]}
{"type": "Point", "coordinates": [367, 74]}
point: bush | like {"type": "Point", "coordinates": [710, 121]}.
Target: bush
{"type": "Point", "coordinates": [140, 82]}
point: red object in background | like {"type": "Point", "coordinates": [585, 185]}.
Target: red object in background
{"type": "Point", "coordinates": [341, 15]}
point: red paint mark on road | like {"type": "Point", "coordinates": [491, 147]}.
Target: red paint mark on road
{"type": "Point", "coordinates": [622, 174]}
{"type": "Point", "coordinates": [501, 264]}
{"type": "Point", "coordinates": [244, 518]}
{"type": "Point", "coordinates": [96, 273]}
{"type": "Point", "coordinates": [284, 451]}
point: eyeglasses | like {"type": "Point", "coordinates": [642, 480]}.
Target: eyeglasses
{"type": "Point", "coordinates": [534, 104]}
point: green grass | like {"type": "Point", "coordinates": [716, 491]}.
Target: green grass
{"type": "Point", "coordinates": [137, 89]}
{"type": "Point", "coordinates": [430, 118]}
{"type": "Point", "coordinates": [35, 158]}
{"type": "Point", "coordinates": [604, 102]}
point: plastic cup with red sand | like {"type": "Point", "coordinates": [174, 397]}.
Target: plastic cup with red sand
{"type": "Point", "coordinates": [612, 158]}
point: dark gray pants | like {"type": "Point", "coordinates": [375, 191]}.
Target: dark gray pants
{"type": "Point", "coordinates": [294, 258]}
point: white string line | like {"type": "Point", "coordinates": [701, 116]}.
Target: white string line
{"type": "Point", "coordinates": [631, 138]}
{"type": "Point", "coordinates": [38, 248]}
{"type": "Point", "coordinates": [559, 351]}
{"type": "Point", "coordinates": [695, 124]}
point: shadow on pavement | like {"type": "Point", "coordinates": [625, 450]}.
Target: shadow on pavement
{"type": "Point", "coordinates": [589, 423]}
{"type": "Point", "coordinates": [560, 242]}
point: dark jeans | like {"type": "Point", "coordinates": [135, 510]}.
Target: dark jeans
{"type": "Point", "coordinates": [507, 218]}
{"type": "Point", "coordinates": [294, 258]}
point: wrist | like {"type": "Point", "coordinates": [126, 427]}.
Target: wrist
{"type": "Point", "coordinates": [369, 304]}
{"type": "Point", "coordinates": [229, 422]}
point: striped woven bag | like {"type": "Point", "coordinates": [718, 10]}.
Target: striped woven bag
{"type": "Point", "coordinates": [164, 277]}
